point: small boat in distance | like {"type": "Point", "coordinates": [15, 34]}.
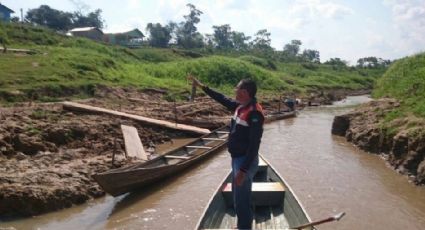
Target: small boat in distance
{"type": "Point", "coordinates": [275, 206]}
{"type": "Point", "coordinates": [279, 115]}
{"type": "Point", "coordinates": [123, 180]}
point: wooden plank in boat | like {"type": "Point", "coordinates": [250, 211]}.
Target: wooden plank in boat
{"type": "Point", "coordinates": [213, 139]}
{"type": "Point", "coordinates": [222, 132]}
{"type": "Point", "coordinates": [262, 165]}
{"type": "Point", "coordinates": [263, 193]}
{"type": "Point", "coordinates": [133, 144]}
{"type": "Point", "coordinates": [198, 147]}
{"type": "Point", "coordinates": [92, 109]}
{"type": "Point", "coordinates": [176, 157]}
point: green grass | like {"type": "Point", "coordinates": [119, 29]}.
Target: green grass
{"type": "Point", "coordinates": [64, 66]}
{"type": "Point", "coordinates": [405, 80]}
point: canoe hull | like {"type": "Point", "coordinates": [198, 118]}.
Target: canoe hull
{"type": "Point", "coordinates": [280, 116]}
{"type": "Point", "coordinates": [123, 180]}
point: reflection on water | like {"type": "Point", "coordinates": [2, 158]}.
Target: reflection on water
{"type": "Point", "coordinates": [327, 173]}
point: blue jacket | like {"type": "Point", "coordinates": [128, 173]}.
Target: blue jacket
{"type": "Point", "coordinates": [246, 128]}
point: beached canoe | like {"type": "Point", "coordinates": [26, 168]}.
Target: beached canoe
{"type": "Point", "coordinates": [123, 180]}
{"type": "Point", "coordinates": [273, 116]}
{"type": "Point", "coordinates": [275, 205]}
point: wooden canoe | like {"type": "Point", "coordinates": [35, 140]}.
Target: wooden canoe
{"type": "Point", "coordinates": [275, 205]}
{"type": "Point", "coordinates": [123, 180]}
{"type": "Point", "coordinates": [280, 115]}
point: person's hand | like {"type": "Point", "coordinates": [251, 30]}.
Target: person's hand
{"type": "Point", "coordinates": [240, 177]}
{"type": "Point", "coordinates": [194, 80]}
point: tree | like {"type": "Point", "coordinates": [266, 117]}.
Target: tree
{"type": "Point", "coordinates": [14, 19]}
{"type": "Point", "coordinates": [46, 16]}
{"type": "Point", "coordinates": [292, 49]}
{"type": "Point", "coordinates": [311, 56]}
{"type": "Point", "coordinates": [336, 62]}
{"type": "Point", "coordinates": [372, 62]}
{"type": "Point", "coordinates": [92, 19]}
{"type": "Point", "coordinates": [63, 21]}
{"type": "Point", "coordinates": [159, 36]}
{"type": "Point", "coordinates": [239, 41]}
{"type": "Point", "coordinates": [187, 35]}
{"type": "Point", "coordinates": [223, 36]}
{"type": "Point", "coordinates": [262, 40]}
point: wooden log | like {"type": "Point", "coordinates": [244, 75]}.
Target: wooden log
{"type": "Point", "coordinates": [186, 106]}
{"type": "Point", "coordinates": [200, 110]}
{"type": "Point", "coordinates": [133, 144]}
{"type": "Point", "coordinates": [72, 106]}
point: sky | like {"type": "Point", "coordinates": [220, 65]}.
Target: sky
{"type": "Point", "coordinates": [347, 29]}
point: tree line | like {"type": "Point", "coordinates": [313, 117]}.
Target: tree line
{"type": "Point", "coordinates": [185, 35]}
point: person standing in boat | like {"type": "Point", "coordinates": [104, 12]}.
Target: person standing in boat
{"type": "Point", "coordinates": [246, 130]}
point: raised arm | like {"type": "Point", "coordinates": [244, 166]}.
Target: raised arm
{"type": "Point", "coordinates": [220, 98]}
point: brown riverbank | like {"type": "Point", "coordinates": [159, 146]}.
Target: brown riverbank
{"type": "Point", "coordinates": [48, 154]}
{"type": "Point", "coordinates": [403, 148]}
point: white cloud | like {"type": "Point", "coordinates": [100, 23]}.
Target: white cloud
{"type": "Point", "coordinates": [319, 9]}
{"type": "Point", "coordinates": [409, 21]}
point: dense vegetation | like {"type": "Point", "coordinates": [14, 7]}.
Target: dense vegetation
{"type": "Point", "coordinates": [405, 80]}
{"type": "Point", "coordinates": [61, 65]}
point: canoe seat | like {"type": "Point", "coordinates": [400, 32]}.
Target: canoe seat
{"type": "Point", "coordinates": [176, 157]}
{"type": "Point", "coordinates": [263, 193]}
{"type": "Point", "coordinates": [262, 165]}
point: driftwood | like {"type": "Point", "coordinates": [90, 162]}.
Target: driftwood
{"type": "Point", "coordinates": [200, 110]}
{"type": "Point", "coordinates": [72, 106]}
{"type": "Point", "coordinates": [132, 99]}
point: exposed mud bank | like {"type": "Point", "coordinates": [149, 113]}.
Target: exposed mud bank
{"type": "Point", "coordinates": [403, 147]}
{"type": "Point", "coordinates": [48, 155]}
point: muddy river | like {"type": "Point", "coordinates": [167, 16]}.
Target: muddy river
{"type": "Point", "coordinates": [327, 173]}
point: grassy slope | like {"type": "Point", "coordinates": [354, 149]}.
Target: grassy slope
{"type": "Point", "coordinates": [73, 63]}
{"type": "Point", "coordinates": [404, 80]}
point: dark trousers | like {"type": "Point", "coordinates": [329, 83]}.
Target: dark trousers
{"type": "Point", "coordinates": [242, 194]}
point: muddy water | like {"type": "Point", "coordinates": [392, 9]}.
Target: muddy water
{"type": "Point", "coordinates": [328, 174]}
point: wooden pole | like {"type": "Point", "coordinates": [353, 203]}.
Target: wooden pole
{"type": "Point", "coordinates": [175, 111]}
{"type": "Point", "coordinates": [280, 101]}
{"type": "Point", "coordinates": [114, 151]}
{"type": "Point", "coordinates": [193, 95]}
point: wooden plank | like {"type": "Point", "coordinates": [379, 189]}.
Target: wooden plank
{"type": "Point", "coordinates": [222, 132]}
{"type": "Point", "coordinates": [263, 193]}
{"type": "Point", "coordinates": [92, 109]}
{"type": "Point", "coordinates": [262, 165]}
{"type": "Point", "coordinates": [133, 144]}
{"type": "Point", "coordinates": [176, 157]}
{"type": "Point", "coordinates": [213, 139]}
{"type": "Point", "coordinates": [198, 147]}
{"type": "Point", "coordinates": [260, 187]}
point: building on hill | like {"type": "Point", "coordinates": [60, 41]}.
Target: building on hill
{"type": "Point", "coordinates": [133, 38]}
{"type": "Point", "coordinates": [5, 13]}
{"type": "Point", "coordinates": [93, 33]}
